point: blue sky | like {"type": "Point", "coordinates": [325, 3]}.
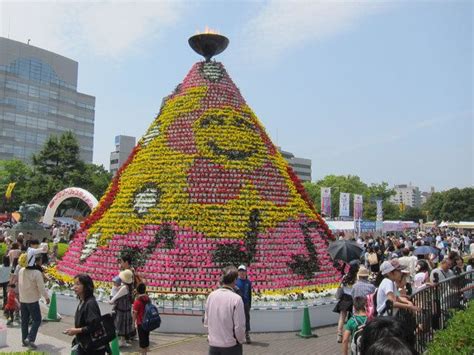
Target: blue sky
{"type": "Point", "coordinates": [383, 90]}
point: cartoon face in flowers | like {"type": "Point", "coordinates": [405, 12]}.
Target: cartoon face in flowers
{"type": "Point", "coordinates": [230, 138]}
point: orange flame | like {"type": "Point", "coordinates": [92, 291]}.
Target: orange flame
{"type": "Point", "coordinates": [207, 30]}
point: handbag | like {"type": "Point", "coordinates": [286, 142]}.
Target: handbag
{"type": "Point", "coordinates": [339, 293]}
{"type": "Point", "coordinates": [104, 333]}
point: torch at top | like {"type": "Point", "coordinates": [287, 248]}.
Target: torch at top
{"type": "Point", "coordinates": [209, 43]}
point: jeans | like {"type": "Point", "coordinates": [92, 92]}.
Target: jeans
{"type": "Point", "coordinates": [30, 310]}
{"type": "Point", "coordinates": [234, 350]}
{"type": "Point", "coordinates": [247, 317]}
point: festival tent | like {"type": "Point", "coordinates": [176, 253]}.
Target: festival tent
{"type": "Point", "coordinates": [398, 226]}
{"type": "Point", "coordinates": [341, 225]}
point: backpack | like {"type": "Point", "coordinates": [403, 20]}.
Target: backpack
{"type": "Point", "coordinates": [355, 342]}
{"type": "Point", "coordinates": [373, 259]}
{"type": "Point", "coordinates": [151, 318]}
{"type": "Point", "coordinates": [371, 305]}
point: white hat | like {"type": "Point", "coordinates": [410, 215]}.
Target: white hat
{"type": "Point", "coordinates": [242, 267]}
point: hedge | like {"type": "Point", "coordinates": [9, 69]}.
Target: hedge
{"type": "Point", "coordinates": [458, 337]}
{"type": "Point", "coordinates": [62, 248]}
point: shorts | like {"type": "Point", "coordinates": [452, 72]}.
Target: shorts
{"type": "Point", "coordinates": [143, 337]}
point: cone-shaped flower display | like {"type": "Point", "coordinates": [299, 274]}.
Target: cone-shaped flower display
{"type": "Point", "coordinates": [205, 188]}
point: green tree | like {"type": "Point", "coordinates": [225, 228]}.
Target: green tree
{"type": "Point", "coordinates": [451, 205]}
{"type": "Point", "coordinates": [18, 172]}
{"type": "Point", "coordinates": [413, 214]}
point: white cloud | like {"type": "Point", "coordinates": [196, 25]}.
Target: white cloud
{"type": "Point", "coordinates": [283, 25]}
{"type": "Point", "coordinates": [109, 29]}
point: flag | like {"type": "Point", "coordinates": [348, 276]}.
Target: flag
{"type": "Point", "coordinates": [358, 206]}
{"type": "Point", "coordinates": [344, 203]}
{"type": "Point", "coordinates": [379, 210]}
{"type": "Point", "coordinates": [326, 201]}
{"type": "Point", "coordinates": [10, 187]}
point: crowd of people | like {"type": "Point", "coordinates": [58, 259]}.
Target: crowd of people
{"type": "Point", "coordinates": [392, 269]}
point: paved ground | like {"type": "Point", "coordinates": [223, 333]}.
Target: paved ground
{"type": "Point", "coordinates": [52, 341]}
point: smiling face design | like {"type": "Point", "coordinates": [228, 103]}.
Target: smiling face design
{"type": "Point", "coordinates": [229, 138]}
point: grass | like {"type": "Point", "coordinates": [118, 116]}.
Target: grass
{"type": "Point", "coordinates": [457, 338]}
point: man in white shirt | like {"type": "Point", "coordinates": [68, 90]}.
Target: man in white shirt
{"type": "Point", "coordinates": [225, 317]}
{"type": "Point", "coordinates": [392, 270]}
{"type": "Point", "coordinates": [443, 271]}
{"type": "Point", "coordinates": [408, 262]}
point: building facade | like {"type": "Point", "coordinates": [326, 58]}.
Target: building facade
{"type": "Point", "coordinates": [123, 147]}
{"type": "Point", "coordinates": [408, 195]}
{"type": "Point", "coordinates": [301, 166]}
{"type": "Point", "coordinates": [39, 98]}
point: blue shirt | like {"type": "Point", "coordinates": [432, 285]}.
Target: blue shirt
{"type": "Point", "coordinates": [245, 287]}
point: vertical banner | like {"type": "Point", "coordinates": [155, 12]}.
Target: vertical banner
{"type": "Point", "coordinates": [358, 206]}
{"type": "Point", "coordinates": [379, 210]}
{"type": "Point", "coordinates": [326, 201]}
{"type": "Point", "coordinates": [8, 192]}
{"type": "Point", "coordinates": [344, 203]}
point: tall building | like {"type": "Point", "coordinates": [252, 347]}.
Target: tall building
{"type": "Point", "coordinates": [301, 166]}
{"type": "Point", "coordinates": [425, 196]}
{"type": "Point", "coordinates": [38, 98]}
{"type": "Point", "coordinates": [123, 147]}
{"type": "Point", "coordinates": [409, 195]}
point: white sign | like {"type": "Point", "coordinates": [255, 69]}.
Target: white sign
{"type": "Point", "coordinates": [344, 204]}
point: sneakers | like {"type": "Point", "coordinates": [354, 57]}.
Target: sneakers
{"type": "Point", "coordinates": [10, 322]}
{"type": "Point", "coordinates": [247, 339]}
{"type": "Point", "coordinates": [29, 344]}
{"type": "Point", "coordinates": [339, 337]}
{"type": "Point", "coordinates": [124, 344]}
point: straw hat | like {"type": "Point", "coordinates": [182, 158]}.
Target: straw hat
{"type": "Point", "coordinates": [363, 272]}
{"type": "Point", "coordinates": [126, 276]}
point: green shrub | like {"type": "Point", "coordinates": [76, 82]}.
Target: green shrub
{"type": "Point", "coordinates": [458, 337]}
{"type": "Point", "coordinates": [3, 250]}
{"type": "Point", "coordinates": [62, 248]}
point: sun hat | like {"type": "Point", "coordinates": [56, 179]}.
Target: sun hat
{"type": "Point", "coordinates": [116, 279]}
{"type": "Point", "coordinates": [126, 276]}
{"type": "Point", "coordinates": [363, 272]}
{"type": "Point", "coordinates": [389, 266]}
{"type": "Point", "coordinates": [242, 267]}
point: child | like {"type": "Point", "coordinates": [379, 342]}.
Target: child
{"type": "Point", "coordinates": [12, 306]}
{"type": "Point", "coordinates": [117, 283]}
{"type": "Point", "coordinates": [357, 320]}
{"type": "Point", "coordinates": [138, 313]}
{"type": "Point", "coordinates": [5, 277]}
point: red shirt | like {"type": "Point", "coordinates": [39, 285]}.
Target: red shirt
{"type": "Point", "coordinates": [11, 301]}
{"type": "Point", "coordinates": [139, 307]}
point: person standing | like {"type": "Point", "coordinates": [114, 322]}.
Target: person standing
{"type": "Point", "coordinates": [87, 316]}
{"type": "Point", "coordinates": [31, 285]}
{"type": "Point", "coordinates": [245, 287]}
{"type": "Point", "coordinates": [362, 287]}
{"type": "Point", "coordinates": [138, 313]}
{"type": "Point", "coordinates": [225, 317]}
{"type": "Point", "coordinates": [5, 271]}
{"type": "Point", "coordinates": [344, 305]}
{"type": "Point", "coordinates": [443, 271]}
{"type": "Point", "coordinates": [122, 302]}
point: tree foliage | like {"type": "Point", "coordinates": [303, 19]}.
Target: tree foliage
{"type": "Point", "coordinates": [354, 185]}
{"type": "Point", "coordinates": [55, 167]}
{"type": "Point", "coordinates": [451, 205]}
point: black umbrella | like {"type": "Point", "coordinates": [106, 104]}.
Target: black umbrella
{"type": "Point", "coordinates": [345, 250]}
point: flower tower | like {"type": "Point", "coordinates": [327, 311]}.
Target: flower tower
{"type": "Point", "coordinates": [204, 188]}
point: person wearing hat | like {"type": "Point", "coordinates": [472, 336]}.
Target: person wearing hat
{"type": "Point", "coordinates": [387, 291]}
{"type": "Point", "coordinates": [245, 290]}
{"type": "Point", "coordinates": [362, 287]}
{"type": "Point", "coordinates": [122, 302]}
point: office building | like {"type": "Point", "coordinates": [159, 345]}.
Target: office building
{"type": "Point", "coordinates": [38, 98]}
{"type": "Point", "coordinates": [123, 147]}
{"type": "Point", "coordinates": [409, 195]}
{"type": "Point", "coordinates": [301, 166]}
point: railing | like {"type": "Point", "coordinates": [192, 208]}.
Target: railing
{"type": "Point", "coordinates": [437, 303]}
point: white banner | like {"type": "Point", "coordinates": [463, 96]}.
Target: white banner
{"type": "Point", "coordinates": [344, 204]}
{"type": "Point", "coordinates": [326, 201]}
{"type": "Point", "coordinates": [358, 206]}
{"type": "Point", "coordinates": [379, 210]}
